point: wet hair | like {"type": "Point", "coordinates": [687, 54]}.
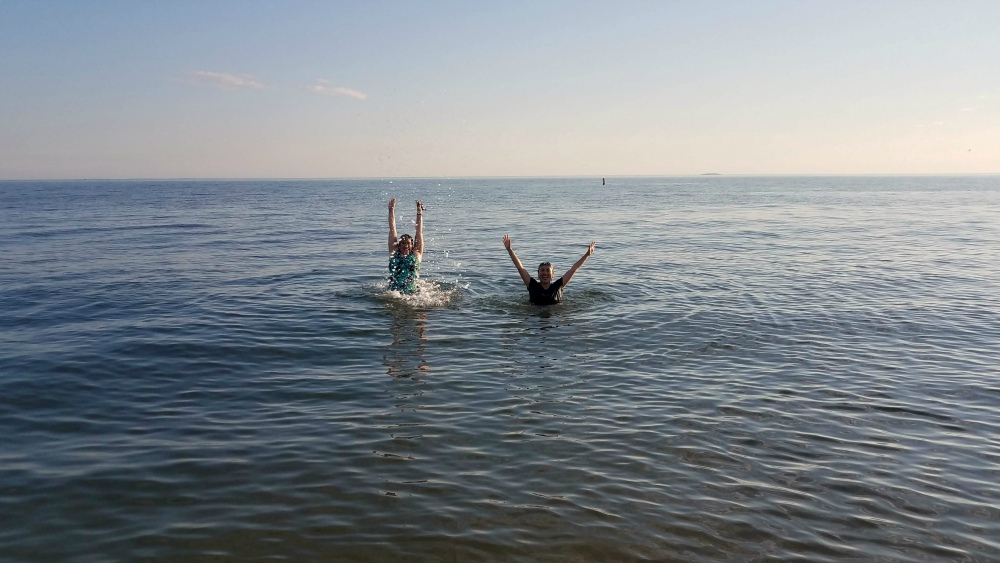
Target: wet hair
{"type": "Point", "coordinates": [405, 237]}
{"type": "Point", "coordinates": [545, 265]}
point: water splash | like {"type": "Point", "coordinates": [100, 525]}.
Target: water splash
{"type": "Point", "coordinates": [430, 294]}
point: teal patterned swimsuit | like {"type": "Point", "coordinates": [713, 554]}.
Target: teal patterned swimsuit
{"type": "Point", "coordinates": [403, 273]}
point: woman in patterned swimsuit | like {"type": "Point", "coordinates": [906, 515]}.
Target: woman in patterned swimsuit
{"type": "Point", "coordinates": [404, 264]}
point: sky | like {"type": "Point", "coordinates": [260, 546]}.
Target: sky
{"type": "Point", "coordinates": [424, 88]}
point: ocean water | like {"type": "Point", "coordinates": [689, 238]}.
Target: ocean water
{"type": "Point", "coordinates": [788, 369]}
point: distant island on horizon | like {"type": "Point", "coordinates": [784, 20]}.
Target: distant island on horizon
{"type": "Point", "coordinates": [711, 174]}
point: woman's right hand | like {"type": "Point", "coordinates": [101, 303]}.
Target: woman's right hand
{"type": "Point", "coordinates": [506, 242]}
{"type": "Point", "coordinates": [392, 204]}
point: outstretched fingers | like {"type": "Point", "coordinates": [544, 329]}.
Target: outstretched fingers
{"type": "Point", "coordinates": [506, 241]}
{"type": "Point", "coordinates": [590, 250]}
{"type": "Point", "coordinates": [392, 203]}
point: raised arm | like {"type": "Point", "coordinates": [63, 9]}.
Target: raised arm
{"type": "Point", "coordinates": [418, 240]}
{"type": "Point", "coordinates": [513, 257]}
{"type": "Point", "coordinates": [569, 273]}
{"type": "Point", "coordinates": [392, 225]}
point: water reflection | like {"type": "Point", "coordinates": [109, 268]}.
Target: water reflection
{"type": "Point", "coordinates": [406, 356]}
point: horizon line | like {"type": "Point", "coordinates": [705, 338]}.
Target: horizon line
{"type": "Point", "coordinates": [316, 178]}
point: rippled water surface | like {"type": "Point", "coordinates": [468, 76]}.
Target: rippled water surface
{"type": "Point", "coordinates": [747, 369]}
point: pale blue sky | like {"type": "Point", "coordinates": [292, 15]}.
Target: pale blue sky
{"type": "Point", "coordinates": [175, 89]}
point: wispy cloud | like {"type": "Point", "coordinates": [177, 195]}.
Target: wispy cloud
{"type": "Point", "coordinates": [323, 87]}
{"type": "Point", "coordinates": [225, 80]}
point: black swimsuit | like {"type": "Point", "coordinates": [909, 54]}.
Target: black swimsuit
{"type": "Point", "coordinates": [541, 296]}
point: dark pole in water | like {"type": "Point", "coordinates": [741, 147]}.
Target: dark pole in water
{"type": "Point", "coordinates": [602, 181]}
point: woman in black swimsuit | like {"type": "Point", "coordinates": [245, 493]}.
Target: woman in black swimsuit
{"type": "Point", "coordinates": [544, 291]}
